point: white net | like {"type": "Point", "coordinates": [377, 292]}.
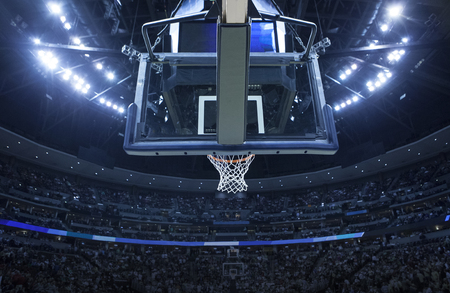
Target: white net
{"type": "Point", "coordinates": [232, 170]}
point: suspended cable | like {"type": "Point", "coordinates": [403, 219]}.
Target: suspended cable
{"type": "Point", "coordinates": [134, 24]}
{"type": "Point", "coordinates": [318, 19]}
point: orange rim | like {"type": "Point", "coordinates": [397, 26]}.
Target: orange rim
{"type": "Point", "coordinates": [231, 161]}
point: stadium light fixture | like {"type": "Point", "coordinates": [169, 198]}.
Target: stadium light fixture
{"type": "Point", "coordinates": [395, 11]}
{"type": "Point", "coordinates": [54, 8]}
{"type": "Point", "coordinates": [36, 41]}
{"type": "Point", "coordinates": [76, 41]}
{"type": "Point", "coordinates": [67, 26]}
{"type": "Point", "coordinates": [343, 76]}
{"type": "Point", "coordinates": [115, 107]}
{"type": "Point", "coordinates": [354, 66]}
{"type": "Point", "coordinates": [102, 101]}
{"type": "Point", "coordinates": [110, 75]}
{"type": "Point", "coordinates": [337, 108]}
{"type": "Point", "coordinates": [405, 40]}
{"type": "Point", "coordinates": [384, 27]}
{"type": "Point", "coordinates": [121, 110]}
{"type": "Point", "coordinates": [348, 102]}
{"type": "Point", "coordinates": [62, 18]}
{"type": "Point", "coordinates": [355, 98]}
{"type": "Point", "coordinates": [343, 105]}
{"type": "Point", "coordinates": [108, 104]}
{"type": "Point", "coordinates": [99, 66]}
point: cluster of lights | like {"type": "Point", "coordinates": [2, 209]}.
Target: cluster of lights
{"type": "Point", "coordinates": [382, 78]}
{"type": "Point", "coordinates": [48, 59]}
{"type": "Point", "coordinates": [111, 105]}
{"type": "Point", "coordinates": [346, 103]}
{"type": "Point", "coordinates": [77, 81]}
{"type": "Point", "coordinates": [348, 71]}
{"type": "Point", "coordinates": [396, 55]}
{"type": "Point", "coordinates": [56, 9]}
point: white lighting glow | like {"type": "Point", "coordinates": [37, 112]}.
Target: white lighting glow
{"type": "Point", "coordinates": [66, 76]}
{"type": "Point", "coordinates": [55, 8]}
{"type": "Point", "coordinates": [371, 88]}
{"type": "Point", "coordinates": [395, 11]}
{"type": "Point", "coordinates": [391, 57]}
{"type": "Point", "coordinates": [67, 26]}
{"type": "Point", "coordinates": [81, 81]}
{"type": "Point", "coordinates": [63, 19]}
{"type": "Point", "coordinates": [401, 52]}
{"type": "Point", "coordinates": [377, 84]}
{"type": "Point", "coordinates": [337, 108]}
{"type": "Point", "coordinates": [41, 53]}
{"type": "Point", "coordinates": [369, 84]}
{"type": "Point", "coordinates": [76, 77]}
{"type": "Point", "coordinates": [36, 41]}
{"type": "Point", "coordinates": [388, 74]}
{"type": "Point", "coordinates": [78, 86]}
{"type": "Point", "coordinates": [383, 79]}
{"type": "Point", "coordinates": [349, 102]}
{"type": "Point", "coordinates": [84, 90]}
{"type": "Point", "coordinates": [76, 41]}
{"type": "Point", "coordinates": [110, 75]}
{"type": "Point", "coordinates": [343, 76]}
{"type": "Point", "coordinates": [88, 86]}
{"type": "Point", "coordinates": [102, 101]}
{"type": "Point", "coordinates": [108, 104]}
{"type": "Point", "coordinates": [405, 40]}
{"type": "Point", "coordinates": [355, 99]}
{"type": "Point", "coordinates": [343, 105]}
{"type": "Point", "coordinates": [121, 110]}
{"type": "Point", "coordinates": [348, 72]}
{"type": "Point", "coordinates": [384, 27]}
{"type": "Point", "coordinates": [354, 66]}
{"type": "Point", "coordinates": [115, 107]}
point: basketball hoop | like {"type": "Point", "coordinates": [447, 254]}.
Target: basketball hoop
{"type": "Point", "coordinates": [232, 170]}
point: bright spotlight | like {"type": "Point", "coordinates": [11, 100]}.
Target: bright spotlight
{"type": "Point", "coordinates": [78, 86]}
{"type": "Point", "coordinates": [371, 88]}
{"type": "Point", "coordinates": [348, 72]}
{"type": "Point", "coordinates": [397, 57]}
{"type": "Point", "coordinates": [343, 105]}
{"type": "Point", "coordinates": [88, 86]}
{"type": "Point", "coordinates": [369, 84]}
{"type": "Point", "coordinates": [84, 90]}
{"type": "Point", "coordinates": [121, 110]}
{"type": "Point", "coordinates": [395, 11]}
{"type": "Point", "coordinates": [391, 57]}
{"type": "Point", "coordinates": [384, 27]}
{"type": "Point", "coordinates": [388, 74]}
{"type": "Point", "coordinates": [337, 108]}
{"type": "Point", "coordinates": [110, 75]}
{"type": "Point", "coordinates": [405, 40]}
{"type": "Point", "coordinates": [343, 76]}
{"type": "Point", "coordinates": [63, 19]}
{"type": "Point", "coordinates": [377, 84]}
{"type": "Point", "coordinates": [76, 41]}
{"type": "Point", "coordinates": [383, 79]}
{"type": "Point", "coordinates": [354, 66]}
{"type": "Point", "coordinates": [99, 66]}
{"type": "Point", "coordinates": [401, 52]}
{"type": "Point", "coordinates": [55, 8]}
{"type": "Point", "coordinates": [81, 81]}
{"type": "Point", "coordinates": [36, 41]}
{"type": "Point", "coordinates": [66, 76]}
{"type": "Point", "coordinates": [102, 100]}
{"type": "Point", "coordinates": [108, 104]}
{"type": "Point", "coordinates": [349, 102]}
{"type": "Point", "coordinates": [67, 26]}
{"type": "Point", "coordinates": [115, 107]}
{"type": "Point", "coordinates": [41, 53]}
{"type": "Point", "coordinates": [371, 45]}
{"type": "Point", "coordinates": [76, 77]}
{"type": "Point", "coordinates": [355, 99]}
{"type": "Point", "coordinates": [52, 63]}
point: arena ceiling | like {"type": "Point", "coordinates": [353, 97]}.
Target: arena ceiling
{"type": "Point", "coordinates": [37, 102]}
